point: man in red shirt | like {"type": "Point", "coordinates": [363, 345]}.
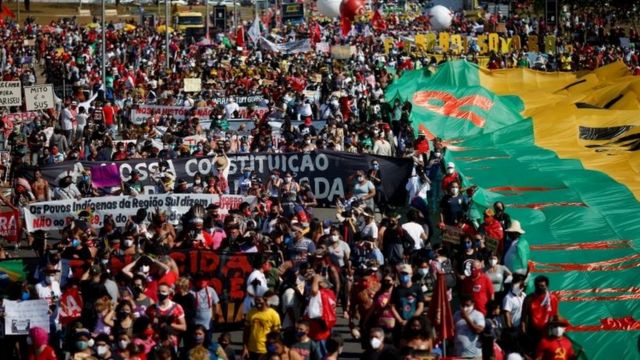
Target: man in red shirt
{"type": "Point", "coordinates": [537, 309]}
{"type": "Point", "coordinates": [555, 346]}
{"type": "Point", "coordinates": [451, 176]}
{"type": "Point", "coordinates": [479, 287]}
{"type": "Point", "coordinates": [108, 114]}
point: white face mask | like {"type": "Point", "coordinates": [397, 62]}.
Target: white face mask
{"type": "Point", "coordinates": [287, 179]}
{"type": "Point", "coordinates": [450, 171]}
{"type": "Point", "coordinates": [123, 344]}
{"type": "Point", "coordinates": [516, 289]}
{"type": "Point", "coordinates": [375, 343]}
{"type": "Point", "coordinates": [467, 309]}
{"type": "Point", "coordinates": [335, 238]}
{"type": "Point", "coordinates": [101, 350]}
{"type": "Point", "coordinates": [557, 331]}
{"type": "Point", "coordinates": [128, 243]}
{"type": "Point", "coordinates": [145, 268]}
{"type": "Point", "coordinates": [493, 262]}
{"type": "Point", "coordinates": [423, 272]}
{"type": "Point", "coordinates": [455, 191]}
{"type": "Point", "coordinates": [198, 181]}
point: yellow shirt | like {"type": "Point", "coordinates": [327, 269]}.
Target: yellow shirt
{"type": "Point", "coordinates": [261, 323]}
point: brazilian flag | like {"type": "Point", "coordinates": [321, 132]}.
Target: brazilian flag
{"type": "Point", "coordinates": [561, 151]}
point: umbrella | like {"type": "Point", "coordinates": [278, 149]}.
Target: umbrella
{"type": "Point", "coordinates": [440, 312]}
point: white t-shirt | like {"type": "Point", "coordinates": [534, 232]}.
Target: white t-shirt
{"type": "Point", "coordinates": [513, 304]}
{"type": "Point", "coordinates": [370, 230]}
{"type": "Point", "coordinates": [337, 253]}
{"type": "Point", "coordinates": [252, 291]}
{"type": "Point", "coordinates": [48, 292]}
{"type": "Point", "coordinates": [416, 232]}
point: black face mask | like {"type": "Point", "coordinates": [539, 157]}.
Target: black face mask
{"type": "Point", "coordinates": [540, 290]}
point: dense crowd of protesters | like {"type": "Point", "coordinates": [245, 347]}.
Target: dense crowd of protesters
{"type": "Point", "coordinates": [379, 265]}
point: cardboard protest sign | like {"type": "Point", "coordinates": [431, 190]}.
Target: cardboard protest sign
{"type": "Point", "coordinates": [192, 84]}
{"type": "Point", "coordinates": [20, 316]}
{"type": "Point", "coordinates": [10, 93]}
{"type": "Point", "coordinates": [452, 234]}
{"type": "Point", "coordinates": [39, 97]}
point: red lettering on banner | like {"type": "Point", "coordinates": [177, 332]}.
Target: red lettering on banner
{"type": "Point", "coordinates": [181, 260]}
{"type": "Point", "coordinates": [236, 287]}
{"type": "Point", "coordinates": [209, 262]}
{"type": "Point", "coordinates": [452, 106]}
{"type": "Point", "coordinates": [216, 284]}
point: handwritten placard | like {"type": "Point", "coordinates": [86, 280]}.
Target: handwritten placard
{"type": "Point", "coordinates": [452, 234]}
{"type": "Point", "coordinates": [20, 316]}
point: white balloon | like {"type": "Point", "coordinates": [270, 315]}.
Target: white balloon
{"type": "Point", "coordinates": [329, 8]}
{"type": "Point", "coordinates": [440, 17]}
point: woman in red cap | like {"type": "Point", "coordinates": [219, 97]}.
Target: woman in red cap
{"type": "Point", "coordinates": [39, 349]}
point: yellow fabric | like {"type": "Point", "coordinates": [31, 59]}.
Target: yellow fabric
{"type": "Point", "coordinates": [551, 104]}
{"type": "Point", "coordinates": [261, 323]}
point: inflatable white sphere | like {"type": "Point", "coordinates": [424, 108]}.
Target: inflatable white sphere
{"type": "Point", "coordinates": [440, 17]}
{"type": "Point", "coordinates": [329, 8]}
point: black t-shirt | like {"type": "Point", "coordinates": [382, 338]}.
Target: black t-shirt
{"type": "Point", "coordinates": [453, 208]}
{"type": "Point", "coordinates": [406, 300]}
{"type": "Point", "coordinates": [188, 303]}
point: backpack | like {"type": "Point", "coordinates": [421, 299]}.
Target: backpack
{"type": "Point", "coordinates": [449, 274]}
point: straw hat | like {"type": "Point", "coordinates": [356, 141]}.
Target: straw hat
{"type": "Point", "coordinates": [515, 227]}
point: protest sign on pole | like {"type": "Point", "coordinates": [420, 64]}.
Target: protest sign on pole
{"type": "Point", "coordinates": [192, 84]}
{"type": "Point", "coordinates": [54, 215]}
{"type": "Point", "coordinates": [10, 93]}
{"type": "Point", "coordinates": [39, 97]}
{"type": "Point", "coordinates": [20, 316]}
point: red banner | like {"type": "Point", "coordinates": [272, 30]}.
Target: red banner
{"type": "Point", "coordinates": [9, 227]}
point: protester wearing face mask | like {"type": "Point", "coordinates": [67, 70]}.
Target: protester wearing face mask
{"type": "Point", "coordinates": [49, 288]}
{"type": "Point", "coordinates": [450, 176]}
{"type": "Point", "coordinates": [406, 299]}
{"type": "Point", "coordinates": [167, 312]}
{"type": "Point", "coordinates": [103, 347]}
{"type": "Point", "coordinates": [364, 190]}
{"type": "Point", "coordinates": [260, 321]}
{"type": "Point", "coordinates": [555, 346]}
{"type": "Point", "coordinates": [304, 346]}
{"type": "Point", "coordinates": [207, 302]}
{"type": "Point", "coordinates": [453, 206]}
{"type": "Point", "coordinates": [513, 301]}
{"type": "Point", "coordinates": [537, 309]}
{"type": "Point", "coordinates": [425, 280]}
{"type": "Point", "coordinates": [83, 344]}
{"type": "Point", "coordinates": [478, 286]}
{"type": "Point", "coordinates": [200, 344]}
{"type": "Point", "coordinates": [377, 349]}
{"type": "Point", "coordinates": [469, 323]}
{"type": "Point", "coordinates": [499, 275]}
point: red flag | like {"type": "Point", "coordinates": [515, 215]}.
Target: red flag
{"type": "Point", "coordinates": [440, 310]}
{"type": "Point", "coordinates": [240, 36]}
{"type": "Point", "coordinates": [7, 12]}
{"type": "Point", "coordinates": [378, 22]}
{"type": "Point", "coordinates": [345, 26]}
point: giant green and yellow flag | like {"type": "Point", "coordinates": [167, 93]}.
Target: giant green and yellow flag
{"type": "Point", "coordinates": [561, 151]}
